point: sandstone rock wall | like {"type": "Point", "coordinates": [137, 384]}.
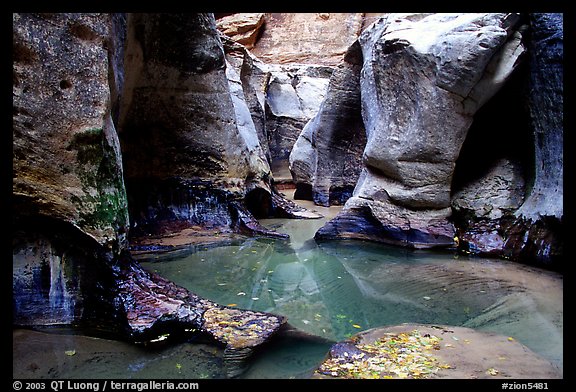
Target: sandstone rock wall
{"type": "Point", "coordinates": [326, 159]}
{"type": "Point", "coordinates": [525, 217]}
{"type": "Point", "coordinates": [310, 38]}
{"type": "Point", "coordinates": [189, 143]}
{"type": "Point", "coordinates": [424, 77]}
{"type": "Point", "coordinates": [69, 202]}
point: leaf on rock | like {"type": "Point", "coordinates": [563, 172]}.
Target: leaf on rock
{"type": "Point", "coordinates": [403, 355]}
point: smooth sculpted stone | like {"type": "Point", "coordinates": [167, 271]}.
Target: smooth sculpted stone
{"type": "Point", "coordinates": [326, 159]}
{"type": "Point", "coordinates": [422, 80]}
{"type": "Point", "coordinates": [419, 351]}
{"type": "Point", "coordinates": [515, 209]}
{"type": "Point", "coordinates": [191, 150]}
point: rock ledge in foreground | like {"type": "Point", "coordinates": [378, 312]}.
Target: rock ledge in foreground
{"type": "Point", "coordinates": [430, 351]}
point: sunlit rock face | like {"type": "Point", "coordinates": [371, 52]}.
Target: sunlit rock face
{"type": "Point", "coordinates": [423, 79]}
{"type": "Point", "coordinates": [190, 147]}
{"type": "Point", "coordinates": [309, 38]}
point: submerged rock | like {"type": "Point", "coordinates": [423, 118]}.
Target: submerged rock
{"type": "Point", "coordinates": [432, 351]}
{"type": "Point", "coordinates": [418, 98]}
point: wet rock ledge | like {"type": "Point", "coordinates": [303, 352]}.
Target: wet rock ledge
{"type": "Point", "coordinates": [430, 351]}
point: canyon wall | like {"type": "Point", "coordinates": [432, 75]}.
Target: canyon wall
{"type": "Point", "coordinates": [128, 126]}
{"type": "Point", "coordinates": [69, 202]}
{"type": "Point", "coordinates": [188, 151]}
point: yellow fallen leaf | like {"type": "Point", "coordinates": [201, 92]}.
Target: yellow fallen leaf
{"type": "Point", "coordinates": [70, 352]}
{"type": "Point", "coordinates": [356, 326]}
{"type": "Point", "coordinates": [492, 372]}
{"type": "Point", "coordinates": [510, 339]}
{"type": "Point", "coordinates": [232, 305]}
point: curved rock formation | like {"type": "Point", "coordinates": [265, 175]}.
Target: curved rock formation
{"type": "Point", "coordinates": [190, 148]}
{"type": "Point", "coordinates": [515, 209]}
{"type": "Point", "coordinates": [326, 159]}
{"type": "Point", "coordinates": [70, 214]}
{"type": "Point", "coordinates": [424, 77]}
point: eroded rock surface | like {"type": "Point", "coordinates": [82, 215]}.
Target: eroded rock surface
{"type": "Point", "coordinates": [424, 77]}
{"type": "Point", "coordinates": [326, 159]}
{"type": "Point", "coordinates": [191, 157]}
{"type": "Point", "coordinates": [519, 215]}
{"type": "Point", "coordinates": [311, 38]}
{"type": "Point", "coordinates": [191, 150]}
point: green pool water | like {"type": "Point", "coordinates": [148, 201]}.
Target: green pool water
{"type": "Point", "coordinates": [332, 290]}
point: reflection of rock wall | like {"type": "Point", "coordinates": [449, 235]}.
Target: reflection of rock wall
{"type": "Point", "coordinates": [418, 98]}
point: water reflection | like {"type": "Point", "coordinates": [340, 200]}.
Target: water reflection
{"type": "Point", "coordinates": [335, 289]}
{"type": "Point", "coordinates": [328, 291]}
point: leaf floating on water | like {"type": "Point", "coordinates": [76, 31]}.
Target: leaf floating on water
{"type": "Point", "coordinates": [222, 284]}
{"type": "Point", "coordinates": [232, 305]}
{"type": "Point", "coordinates": [427, 298]}
{"type": "Point", "coordinates": [70, 352]}
{"type": "Point", "coordinates": [241, 293]}
{"type": "Point", "coordinates": [356, 326]}
{"type": "Point", "coordinates": [255, 298]}
{"type": "Point", "coordinates": [306, 322]}
{"type": "Point", "coordinates": [510, 339]}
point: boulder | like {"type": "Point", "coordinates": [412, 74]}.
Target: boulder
{"type": "Point", "coordinates": [423, 79]}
